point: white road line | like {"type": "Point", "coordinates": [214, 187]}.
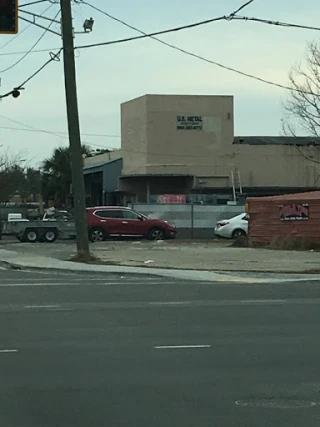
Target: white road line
{"type": "Point", "coordinates": [41, 306]}
{"type": "Point", "coordinates": [81, 279]}
{"type": "Point", "coordinates": [8, 351]}
{"type": "Point", "coordinates": [4, 285]}
{"type": "Point", "coordinates": [171, 303]}
{"type": "Point", "coordinates": [165, 347]}
{"type": "Point", "coordinates": [263, 301]}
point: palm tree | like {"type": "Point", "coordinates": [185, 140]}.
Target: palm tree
{"type": "Point", "coordinates": [56, 175]}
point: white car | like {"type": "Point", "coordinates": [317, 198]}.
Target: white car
{"type": "Point", "coordinates": [232, 228]}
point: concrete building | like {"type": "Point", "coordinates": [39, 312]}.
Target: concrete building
{"type": "Point", "coordinates": [172, 144]}
{"type": "Point", "coordinates": [169, 144]}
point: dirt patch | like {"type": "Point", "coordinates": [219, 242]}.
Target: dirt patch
{"type": "Point", "coordinates": [293, 244]}
{"type": "Point", "coordinates": [134, 263]}
{"type": "Point", "coordinates": [91, 259]}
{"type": "Point", "coordinates": [196, 241]}
{"type": "Point", "coordinates": [241, 242]}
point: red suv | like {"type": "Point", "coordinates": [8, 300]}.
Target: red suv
{"type": "Point", "coordinates": [119, 221]}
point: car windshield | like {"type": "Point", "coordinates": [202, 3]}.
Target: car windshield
{"type": "Point", "coordinates": [143, 215]}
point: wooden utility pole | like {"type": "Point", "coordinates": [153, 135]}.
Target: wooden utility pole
{"type": "Point", "coordinates": [74, 131]}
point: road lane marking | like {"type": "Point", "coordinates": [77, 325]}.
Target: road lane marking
{"type": "Point", "coordinates": [82, 279]}
{"type": "Point", "coordinates": [153, 305]}
{"type": "Point", "coordinates": [264, 301]}
{"type": "Point", "coordinates": [6, 285]}
{"type": "Point", "coordinates": [276, 403]}
{"type": "Point", "coordinates": [159, 303]}
{"type": "Point", "coordinates": [166, 347]}
{"type": "Point", "coordinates": [42, 306]}
{"type": "Point", "coordinates": [8, 351]}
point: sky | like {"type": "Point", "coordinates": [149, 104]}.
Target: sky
{"type": "Point", "coordinates": [110, 75]}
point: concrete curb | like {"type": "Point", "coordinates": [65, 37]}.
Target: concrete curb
{"type": "Point", "coordinates": [202, 276]}
{"type": "Point", "coordinates": [14, 260]}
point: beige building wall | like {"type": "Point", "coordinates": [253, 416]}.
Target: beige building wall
{"type": "Point", "coordinates": [275, 166]}
{"type": "Point", "coordinates": [153, 143]}
{"type": "Point", "coordinates": [134, 136]}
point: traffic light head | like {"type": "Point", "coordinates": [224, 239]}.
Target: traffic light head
{"type": "Point", "coordinates": [8, 16]}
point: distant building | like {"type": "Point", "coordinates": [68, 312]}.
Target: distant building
{"type": "Point", "coordinates": [185, 145]}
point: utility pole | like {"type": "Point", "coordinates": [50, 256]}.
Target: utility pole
{"type": "Point", "coordinates": [74, 131]}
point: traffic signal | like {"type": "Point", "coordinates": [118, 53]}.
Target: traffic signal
{"type": "Point", "coordinates": [8, 16]}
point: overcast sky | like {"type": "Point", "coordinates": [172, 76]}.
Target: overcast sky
{"type": "Point", "coordinates": [110, 75]}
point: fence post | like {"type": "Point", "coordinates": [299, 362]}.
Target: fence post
{"type": "Point", "coordinates": [192, 220]}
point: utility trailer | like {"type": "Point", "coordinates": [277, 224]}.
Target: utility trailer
{"type": "Point", "coordinates": [40, 231]}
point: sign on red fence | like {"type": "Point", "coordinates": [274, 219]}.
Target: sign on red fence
{"type": "Point", "coordinates": [294, 212]}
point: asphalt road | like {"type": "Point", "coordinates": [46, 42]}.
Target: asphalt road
{"type": "Point", "coordinates": [140, 351]}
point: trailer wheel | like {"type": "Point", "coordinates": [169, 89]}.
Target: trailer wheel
{"type": "Point", "coordinates": [31, 235]}
{"type": "Point", "coordinates": [50, 236]}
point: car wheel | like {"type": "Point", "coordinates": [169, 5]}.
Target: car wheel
{"type": "Point", "coordinates": [31, 236]}
{"type": "Point", "coordinates": [50, 236]}
{"type": "Point", "coordinates": [156, 234]}
{"type": "Point", "coordinates": [97, 235]}
{"type": "Point", "coordinates": [238, 233]}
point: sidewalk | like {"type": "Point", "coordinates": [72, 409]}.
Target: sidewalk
{"type": "Point", "coordinates": [18, 260]}
{"type": "Point", "coordinates": [197, 261]}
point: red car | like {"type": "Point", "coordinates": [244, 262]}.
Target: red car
{"type": "Point", "coordinates": [119, 221]}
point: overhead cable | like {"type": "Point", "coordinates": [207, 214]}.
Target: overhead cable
{"type": "Point", "coordinates": [194, 55]}
{"type": "Point", "coordinates": [32, 47]}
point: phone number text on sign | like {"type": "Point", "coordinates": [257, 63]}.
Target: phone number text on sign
{"type": "Point", "coordinates": [189, 122]}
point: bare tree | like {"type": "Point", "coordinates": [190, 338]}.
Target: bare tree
{"type": "Point", "coordinates": [302, 109]}
{"type": "Point", "coordinates": [12, 176]}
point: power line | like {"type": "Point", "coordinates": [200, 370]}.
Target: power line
{"type": "Point", "coordinates": [15, 91]}
{"type": "Point", "coordinates": [167, 31]}
{"type": "Point", "coordinates": [241, 7]}
{"type": "Point", "coordinates": [152, 35]}
{"type": "Point", "coordinates": [171, 30]}
{"type": "Point", "coordinates": [107, 43]}
{"type": "Point", "coordinates": [33, 51]}
{"type": "Point", "coordinates": [32, 128]}
{"type": "Point", "coordinates": [277, 23]}
{"type": "Point", "coordinates": [194, 55]}
{"type": "Point", "coordinates": [53, 57]}
{"type": "Point", "coordinates": [144, 35]}
{"type": "Point", "coordinates": [13, 38]}
{"type": "Point", "coordinates": [32, 47]}
{"type": "Point", "coordinates": [25, 28]}
{"type": "Point", "coordinates": [57, 133]}
{"type": "Point", "coordinates": [32, 3]}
